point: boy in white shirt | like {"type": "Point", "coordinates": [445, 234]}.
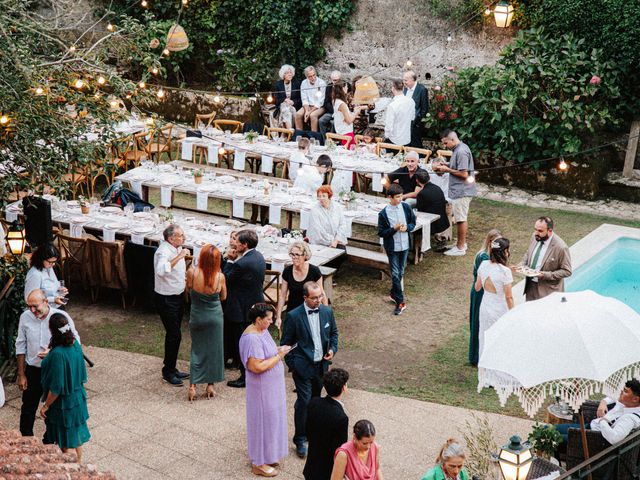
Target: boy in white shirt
{"type": "Point", "coordinates": [310, 177]}
{"type": "Point", "coordinates": [299, 157]}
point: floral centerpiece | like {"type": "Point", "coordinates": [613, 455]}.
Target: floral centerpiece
{"type": "Point", "coordinates": [348, 198]}
{"type": "Point", "coordinates": [197, 175]}
{"type": "Point", "coordinates": [330, 144]}
{"type": "Point", "coordinates": [251, 136]}
{"type": "Point", "coordinates": [84, 205]}
{"type": "Point", "coordinates": [166, 216]}
{"type": "Point", "coordinates": [294, 235]}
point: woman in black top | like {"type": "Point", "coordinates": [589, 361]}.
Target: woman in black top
{"type": "Point", "coordinates": [294, 277]}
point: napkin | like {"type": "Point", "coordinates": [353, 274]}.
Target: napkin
{"type": "Point", "coordinates": [426, 236]}
{"type": "Point", "coordinates": [10, 215]}
{"type": "Point", "coordinates": [136, 186]}
{"type": "Point", "coordinates": [138, 239]}
{"type": "Point", "coordinates": [293, 169]}
{"type": "Point", "coordinates": [187, 151]}
{"type": "Point", "coordinates": [238, 160]}
{"type": "Point", "coordinates": [376, 183]}
{"type": "Point", "coordinates": [108, 235]}
{"type": "Point", "coordinates": [278, 266]}
{"type": "Point", "coordinates": [196, 254]}
{"type": "Point", "coordinates": [304, 218]}
{"type": "Point", "coordinates": [238, 207]}
{"type": "Point", "coordinates": [165, 196]}
{"type": "Point", "coordinates": [348, 221]}
{"type": "Point", "coordinates": [267, 164]}
{"type": "Point", "coordinates": [212, 153]}
{"type": "Point", "coordinates": [76, 230]}
{"type": "Point", "coordinates": [275, 211]}
{"type": "Point", "coordinates": [202, 200]}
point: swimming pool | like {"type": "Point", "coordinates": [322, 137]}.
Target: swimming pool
{"type": "Point", "coordinates": [614, 272]}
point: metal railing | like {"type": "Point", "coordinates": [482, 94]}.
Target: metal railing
{"type": "Point", "coordinates": [608, 463]}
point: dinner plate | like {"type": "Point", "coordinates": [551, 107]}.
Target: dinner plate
{"type": "Point", "coordinates": [237, 136]}
{"type": "Point", "coordinates": [142, 229]}
{"type": "Point", "coordinates": [280, 257]}
{"type": "Point", "coordinates": [141, 214]}
{"type": "Point", "coordinates": [225, 179]}
{"type": "Point", "coordinates": [280, 200]}
{"type": "Point", "coordinates": [200, 243]}
{"type": "Point", "coordinates": [112, 209]}
{"type": "Point", "coordinates": [206, 188]}
{"type": "Point", "coordinates": [170, 181]}
{"type": "Point", "coordinates": [80, 219]}
{"type": "Point", "coordinates": [528, 272]}
{"type": "Point", "coordinates": [245, 193]}
{"type": "Point", "coordinates": [73, 203]}
{"type": "Point", "coordinates": [113, 226]}
{"type": "Point", "coordinates": [352, 213]}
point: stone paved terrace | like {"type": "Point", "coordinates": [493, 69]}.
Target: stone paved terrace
{"type": "Point", "coordinates": [144, 429]}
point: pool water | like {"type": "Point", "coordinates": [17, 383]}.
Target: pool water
{"type": "Point", "coordinates": [613, 272]}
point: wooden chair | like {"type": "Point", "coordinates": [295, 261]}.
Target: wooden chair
{"type": "Point", "coordinates": [338, 139]}
{"type": "Point", "coordinates": [106, 268]}
{"type": "Point", "coordinates": [271, 287]}
{"type": "Point", "coordinates": [72, 258]}
{"type": "Point", "coordinates": [204, 120]}
{"type": "Point", "coordinates": [423, 152]}
{"type": "Point", "coordinates": [160, 142]}
{"type": "Point", "coordinates": [358, 139]}
{"type": "Point", "coordinates": [78, 180]}
{"type": "Point", "coordinates": [139, 150]}
{"type": "Point", "coordinates": [232, 125]}
{"type": "Point", "coordinates": [106, 169]}
{"type": "Point", "coordinates": [389, 147]}
{"type": "Point", "coordinates": [121, 148]}
{"type": "Point", "coordinates": [284, 134]}
{"type": "Point", "coordinates": [444, 153]}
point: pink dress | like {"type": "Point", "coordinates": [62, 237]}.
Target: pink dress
{"type": "Point", "coordinates": [356, 470]}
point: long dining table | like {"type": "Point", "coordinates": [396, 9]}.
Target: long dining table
{"type": "Point", "coordinates": [280, 196]}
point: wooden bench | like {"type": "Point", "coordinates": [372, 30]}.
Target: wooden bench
{"type": "Point", "coordinates": [327, 281]}
{"type": "Point", "coordinates": [369, 258]}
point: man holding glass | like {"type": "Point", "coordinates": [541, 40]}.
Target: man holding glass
{"type": "Point", "coordinates": [32, 345]}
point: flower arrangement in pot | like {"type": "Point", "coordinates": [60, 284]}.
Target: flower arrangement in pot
{"type": "Point", "coordinates": [197, 175]}
{"type": "Point", "coordinates": [251, 136]}
{"type": "Point", "coordinates": [84, 205]}
{"type": "Point", "coordinates": [545, 439]}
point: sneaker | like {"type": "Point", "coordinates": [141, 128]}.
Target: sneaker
{"type": "Point", "coordinates": [455, 252]}
{"type": "Point", "coordinates": [301, 450]}
{"type": "Point", "coordinates": [401, 307]}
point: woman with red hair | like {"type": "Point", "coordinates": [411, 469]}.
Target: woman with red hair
{"type": "Point", "coordinates": [207, 288]}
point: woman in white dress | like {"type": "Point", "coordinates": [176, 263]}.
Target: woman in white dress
{"type": "Point", "coordinates": [343, 117]}
{"type": "Point", "coordinates": [495, 277]}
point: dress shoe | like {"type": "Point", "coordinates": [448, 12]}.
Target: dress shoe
{"type": "Point", "coordinates": [239, 383]}
{"type": "Point", "coordinates": [301, 450]}
{"type": "Point", "coordinates": [180, 374]}
{"type": "Point", "coordinates": [173, 380]}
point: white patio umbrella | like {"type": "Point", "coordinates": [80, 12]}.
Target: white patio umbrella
{"type": "Point", "coordinates": [570, 344]}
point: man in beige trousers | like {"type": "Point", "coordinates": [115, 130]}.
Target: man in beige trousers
{"type": "Point", "coordinates": [549, 255]}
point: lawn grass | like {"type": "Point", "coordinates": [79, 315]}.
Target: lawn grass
{"type": "Point", "coordinates": [421, 354]}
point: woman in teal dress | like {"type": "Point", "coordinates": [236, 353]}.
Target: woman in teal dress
{"type": "Point", "coordinates": [476, 297]}
{"type": "Point", "coordinates": [63, 377]}
{"type": "Point", "coordinates": [207, 288]}
{"type": "Point", "coordinates": [449, 464]}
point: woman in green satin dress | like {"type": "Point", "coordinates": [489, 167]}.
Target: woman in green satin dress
{"type": "Point", "coordinates": [207, 289]}
{"type": "Point", "coordinates": [476, 297]}
{"type": "Point", "coordinates": [63, 377]}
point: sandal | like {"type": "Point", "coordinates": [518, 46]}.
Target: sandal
{"type": "Point", "coordinates": [266, 471]}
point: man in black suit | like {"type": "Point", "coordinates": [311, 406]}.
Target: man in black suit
{"type": "Point", "coordinates": [327, 426]}
{"type": "Point", "coordinates": [420, 96]}
{"type": "Point", "coordinates": [244, 286]}
{"type": "Point", "coordinates": [312, 328]}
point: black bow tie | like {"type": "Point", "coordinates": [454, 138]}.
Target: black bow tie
{"type": "Point", "coordinates": [317, 310]}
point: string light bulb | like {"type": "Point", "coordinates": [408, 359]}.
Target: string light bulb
{"type": "Point", "coordinates": [161, 94]}
{"type": "Point", "coordinates": [221, 151]}
{"type": "Point", "coordinates": [72, 48]}
{"type": "Point", "coordinates": [110, 27]}
{"type": "Point", "coordinates": [78, 84]}
{"type": "Point", "coordinates": [471, 178]}
{"type": "Point", "coordinates": [113, 103]}
{"type": "Point", "coordinates": [144, 3]}
{"type": "Point", "coordinates": [216, 98]}
{"type": "Point", "coordinates": [39, 91]}
{"type": "Point", "coordinates": [4, 120]}
{"type": "Point", "coordinates": [101, 80]}
{"type": "Point", "coordinates": [185, 2]}
{"type": "Point", "coordinates": [563, 166]}
{"type": "Point", "coordinates": [269, 98]}
{"type": "Point", "coordinates": [166, 52]}
{"type": "Point", "coordinates": [449, 37]}
{"type": "Point", "coordinates": [319, 94]}
{"type": "Point", "coordinates": [142, 84]}
{"type": "Point", "coordinates": [128, 96]}
{"type": "Point", "coordinates": [154, 70]}
{"type": "Point", "coordinates": [487, 11]}
{"type": "Point", "coordinates": [409, 63]}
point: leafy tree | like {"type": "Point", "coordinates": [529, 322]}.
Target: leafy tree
{"type": "Point", "coordinates": [543, 97]}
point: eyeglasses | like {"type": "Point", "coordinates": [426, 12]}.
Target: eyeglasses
{"type": "Point", "coordinates": [296, 255]}
{"type": "Point", "coordinates": [317, 297]}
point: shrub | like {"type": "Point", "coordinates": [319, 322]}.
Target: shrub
{"type": "Point", "coordinates": [545, 94]}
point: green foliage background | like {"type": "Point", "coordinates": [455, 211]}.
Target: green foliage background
{"type": "Point", "coordinates": [240, 45]}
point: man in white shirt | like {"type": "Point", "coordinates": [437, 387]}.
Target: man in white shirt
{"type": "Point", "coordinates": [615, 419]}
{"type": "Point", "coordinates": [310, 177]}
{"type": "Point", "coordinates": [400, 113]}
{"type": "Point", "coordinates": [299, 157]}
{"type": "Point", "coordinates": [312, 91]}
{"type": "Point", "coordinates": [32, 345]}
{"type": "Point", "coordinates": [170, 281]}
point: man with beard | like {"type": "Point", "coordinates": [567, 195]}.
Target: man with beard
{"type": "Point", "coordinates": [548, 255]}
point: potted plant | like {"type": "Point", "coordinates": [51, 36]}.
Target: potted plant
{"type": "Point", "coordinates": [545, 439]}
{"type": "Point", "coordinates": [84, 205]}
{"type": "Point", "coordinates": [197, 175]}
{"type": "Point", "coordinates": [251, 136]}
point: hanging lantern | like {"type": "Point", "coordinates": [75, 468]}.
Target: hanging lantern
{"type": "Point", "coordinates": [515, 459]}
{"type": "Point", "coordinates": [177, 39]}
{"type": "Point", "coordinates": [366, 91]}
{"type": "Point", "coordinates": [16, 239]}
{"type": "Point", "coordinates": [503, 14]}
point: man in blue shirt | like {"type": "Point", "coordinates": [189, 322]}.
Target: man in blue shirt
{"type": "Point", "coordinates": [395, 221]}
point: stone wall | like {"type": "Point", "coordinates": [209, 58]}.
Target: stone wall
{"type": "Point", "coordinates": [386, 33]}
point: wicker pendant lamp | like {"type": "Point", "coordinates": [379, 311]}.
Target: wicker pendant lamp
{"type": "Point", "coordinates": [366, 91]}
{"type": "Point", "coordinates": [177, 39]}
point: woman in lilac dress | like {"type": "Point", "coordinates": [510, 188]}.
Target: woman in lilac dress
{"type": "Point", "coordinates": [266, 403]}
